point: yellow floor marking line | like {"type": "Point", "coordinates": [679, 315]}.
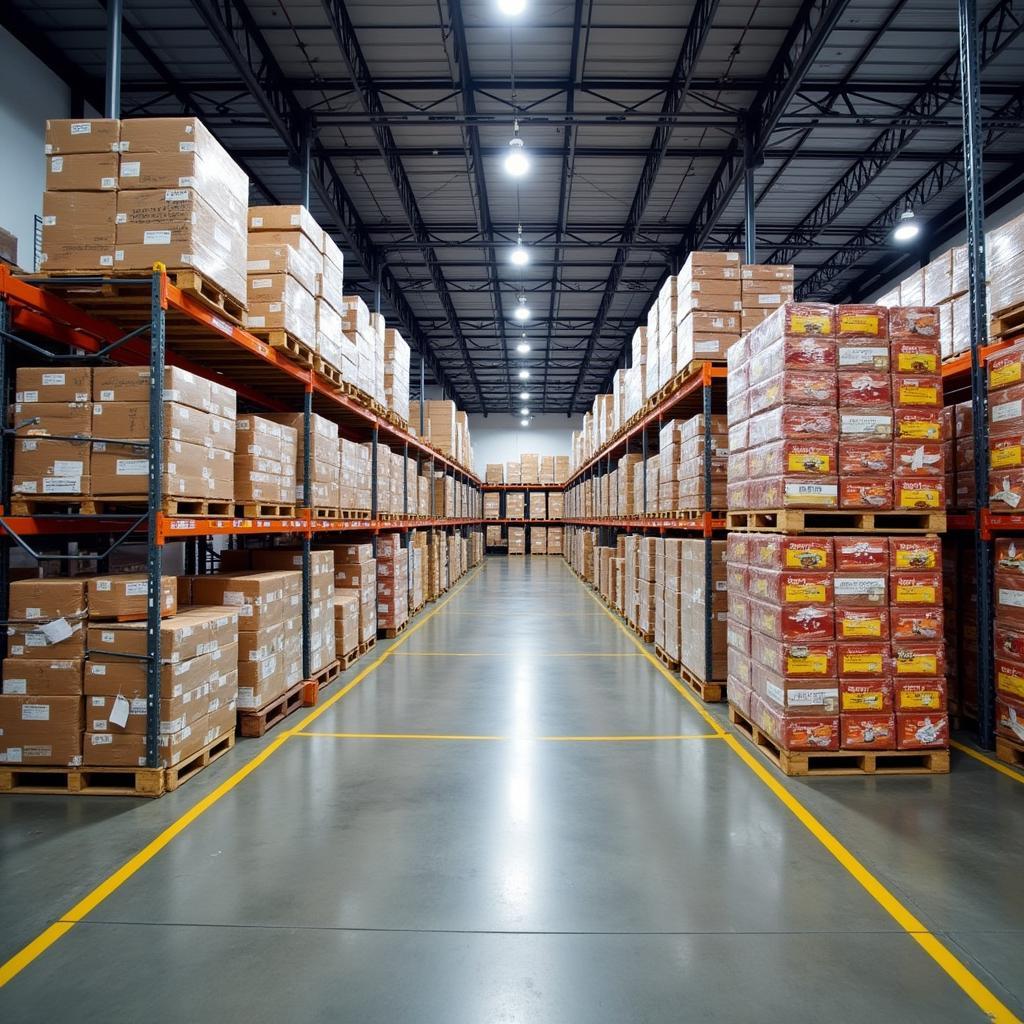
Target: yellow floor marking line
{"type": "Point", "coordinates": [1005, 769]}
{"type": "Point", "coordinates": [971, 985]}
{"type": "Point", "coordinates": [17, 963]}
{"type": "Point", "coordinates": [505, 739]}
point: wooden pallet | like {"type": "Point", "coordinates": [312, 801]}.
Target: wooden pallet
{"type": "Point", "coordinates": [326, 513]}
{"type": "Point", "coordinates": [259, 510]}
{"type": "Point", "coordinates": [670, 663]}
{"type": "Point", "coordinates": [86, 781]}
{"type": "Point", "coordinates": [181, 773]}
{"type": "Point", "coordinates": [131, 504]}
{"type": "Point", "coordinates": [254, 722]}
{"type": "Point", "coordinates": [794, 520]}
{"type": "Point", "coordinates": [709, 692]}
{"type": "Point", "coordinates": [348, 660]}
{"type": "Point", "coordinates": [312, 686]}
{"type": "Point", "coordinates": [288, 345]}
{"type": "Point", "coordinates": [390, 632]}
{"type": "Point", "coordinates": [1010, 751]}
{"type": "Point", "coordinates": [840, 762]}
{"type": "Point", "coordinates": [330, 373]}
{"type": "Point", "coordinates": [647, 637]}
{"type": "Point", "coordinates": [353, 513]}
{"type": "Point", "coordinates": [686, 513]}
{"type": "Point", "coordinates": [1007, 323]}
{"type": "Point", "coordinates": [112, 295]}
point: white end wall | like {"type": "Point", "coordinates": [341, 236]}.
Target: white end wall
{"type": "Point", "coordinates": [501, 438]}
{"type": "Point", "coordinates": [29, 94]}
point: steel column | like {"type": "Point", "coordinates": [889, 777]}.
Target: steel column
{"type": "Point", "coordinates": [373, 470]}
{"type": "Point", "coordinates": [970, 74]}
{"type": "Point", "coordinates": [307, 540]}
{"type": "Point", "coordinates": [154, 549]}
{"type": "Point", "coordinates": [5, 476]}
{"type": "Point", "coordinates": [112, 92]}
{"type": "Point", "coordinates": [307, 159]}
{"type": "Point", "coordinates": [709, 584]}
{"type": "Point", "coordinates": [749, 200]}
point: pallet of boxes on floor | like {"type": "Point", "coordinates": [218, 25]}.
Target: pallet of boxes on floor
{"type": "Point", "coordinates": [836, 652]}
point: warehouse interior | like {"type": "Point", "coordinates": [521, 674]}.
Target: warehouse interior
{"type": "Point", "coordinates": [508, 510]}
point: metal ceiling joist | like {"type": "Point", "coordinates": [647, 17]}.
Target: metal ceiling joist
{"type": "Point", "coordinates": [932, 183]}
{"type": "Point", "coordinates": [675, 95]}
{"type": "Point", "coordinates": [369, 97]}
{"type": "Point", "coordinates": [232, 26]}
{"type": "Point", "coordinates": [474, 156]}
{"type": "Point", "coordinates": [1000, 27]}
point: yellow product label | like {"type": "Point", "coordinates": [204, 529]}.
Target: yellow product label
{"type": "Point", "coordinates": [815, 323]}
{"type": "Point", "coordinates": [858, 323]}
{"type": "Point", "coordinates": [805, 558]}
{"type": "Point", "coordinates": [923, 497]}
{"type": "Point", "coordinates": [814, 592]}
{"type": "Point", "coordinates": [861, 627]}
{"type": "Point", "coordinates": [918, 430]}
{"type": "Point", "coordinates": [1010, 682]}
{"type": "Point", "coordinates": [919, 394]}
{"type": "Point", "coordinates": [916, 363]}
{"type": "Point", "coordinates": [920, 700]}
{"type": "Point", "coordinates": [1008, 374]}
{"type": "Point", "coordinates": [915, 593]}
{"type": "Point", "coordinates": [808, 463]}
{"type": "Point", "coordinates": [870, 663]}
{"type": "Point", "coordinates": [907, 559]}
{"type": "Point", "coordinates": [1006, 458]}
{"type": "Point", "coordinates": [811, 664]}
{"type": "Point", "coordinates": [918, 665]}
{"type": "Point", "coordinates": [871, 700]}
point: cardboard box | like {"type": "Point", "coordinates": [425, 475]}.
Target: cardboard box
{"type": "Point", "coordinates": [43, 677]}
{"type": "Point", "coordinates": [43, 467]}
{"type": "Point", "coordinates": [186, 635]}
{"type": "Point", "coordinates": [131, 384]}
{"type": "Point", "coordinates": [63, 419]}
{"type": "Point", "coordinates": [71, 135]}
{"type": "Point", "coordinates": [78, 230]}
{"type": "Point", "coordinates": [40, 730]}
{"type": "Point", "coordinates": [286, 218]}
{"type": "Point", "coordinates": [189, 471]}
{"type": "Point", "coordinates": [82, 172]}
{"type": "Point", "coordinates": [125, 596]}
{"type": "Point", "coordinates": [262, 599]}
{"type": "Point", "coordinates": [53, 384]}
{"type": "Point", "coordinates": [47, 618]}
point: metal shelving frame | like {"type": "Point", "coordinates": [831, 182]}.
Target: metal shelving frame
{"type": "Point", "coordinates": [184, 332]}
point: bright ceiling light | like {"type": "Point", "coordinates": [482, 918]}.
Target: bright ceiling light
{"type": "Point", "coordinates": [525, 412]}
{"type": "Point", "coordinates": [512, 8]}
{"type": "Point", "coordinates": [522, 310]}
{"type": "Point", "coordinates": [523, 347]}
{"type": "Point", "coordinates": [524, 374]}
{"type": "Point", "coordinates": [516, 163]}
{"type": "Point", "coordinates": [519, 256]}
{"type": "Point", "coordinates": [524, 423]}
{"type": "Point", "coordinates": [907, 228]}
{"type": "Point", "coordinates": [524, 396]}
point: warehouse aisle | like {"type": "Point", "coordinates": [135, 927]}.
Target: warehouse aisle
{"type": "Point", "coordinates": [513, 818]}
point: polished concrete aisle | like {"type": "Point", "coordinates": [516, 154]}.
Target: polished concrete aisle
{"type": "Point", "coordinates": [514, 817]}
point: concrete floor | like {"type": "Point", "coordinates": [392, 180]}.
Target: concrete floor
{"type": "Point", "coordinates": [511, 871]}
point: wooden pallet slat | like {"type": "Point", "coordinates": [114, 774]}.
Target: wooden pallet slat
{"type": "Point", "coordinates": [1007, 322]}
{"type": "Point", "coordinates": [709, 691]}
{"type": "Point", "coordinates": [794, 520]}
{"type": "Point", "coordinates": [840, 762]}
{"type": "Point", "coordinates": [191, 766]}
{"type": "Point", "coordinates": [390, 632]}
{"type": "Point", "coordinates": [264, 510]}
{"type": "Point", "coordinates": [664, 657]}
{"type": "Point", "coordinates": [287, 345]}
{"type": "Point", "coordinates": [1010, 751]}
{"type": "Point", "coordinates": [255, 722]}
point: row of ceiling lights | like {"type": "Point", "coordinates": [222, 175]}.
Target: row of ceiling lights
{"type": "Point", "coordinates": [517, 165]}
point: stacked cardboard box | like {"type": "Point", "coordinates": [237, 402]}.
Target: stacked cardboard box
{"type": "Point", "coordinates": [269, 629]}
{"type": "Point", "coordinates": [554, 540]}
{"type": "Point", "coordinates": [516, 540]}
{"type": "Point", "coordinates": [1005, 429]}
{"type": "Point", "coordinates": [378, 326]}
{"type": "Point", "coordinates": [494, 538]}
{"type": "Point", "coordinates": [396, 374]}
{"type": "Point", "coordinates": [538, 505]}
{"type": "Point", "coordinates": [838, 643]}
{"type": "Point", "coordinates": [709, 306]}
{"type": "Point", "coordinates": [358, 360]}
{"type": "Point", "coordinates": [265, 462]}
{"type": "Point", "coordinates": [356, 475]}
{"type": "Point", "coordinates": [492, 505]}
{"type": "Point", "coordinates": [1008, 641]}
{"type": "Point", "coordinates": [515, 505]}
{"type": "Point", "coordinates": [697, 605]}
{"type": "Point", "coordinates": [355, 570]}
{"type": "Point", "coordinates": [837, 407]}
{"type": "Point", "coordinates": [392, 582]}
{"type": "Point", "coordinates": [538, 540]}
{"type": "Point", "coordinates": [346, 622]}
{"type": "Point", "coordinates": [556, 504]}
{"type": "Point", "coordinates": [324, 459]}
{"type": "Point", "coordinates": [495, 473]}
{"type": "Point", "coordinates": [765, 287]}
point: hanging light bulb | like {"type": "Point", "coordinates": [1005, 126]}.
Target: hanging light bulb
{"type": "Point", "coordinates": [524, 374]}
{"type": "Point", "coordinates": [513, 8]}
{"type": "Point", "coordinates": [516, 163]}
{"type": "Point", "coordinates": [525, 412]}
{"type": "Point", "coordinates": [519, 256]}
{"type": "Point", "coordinates": [524, 423]}
{"type": "Point", "coordinates": [522, 310]}
{"type": "Point", "coordinates": [907, 228]}
{"type": "Point", "coordinates": [524, 395]}
{"type": "Point", "coordinates": [523, 347]}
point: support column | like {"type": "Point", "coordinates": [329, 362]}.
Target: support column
{"type": "Point", "coordinates": [307, 159]}
{"type": "Point", "coordinates": [749, 206]}
{"type": "Point", "coordinates": [112, 92]}
{"type": "Point", "coordinates": [307, 537]}
{"type": "Point", "coordinates": [970, 78]}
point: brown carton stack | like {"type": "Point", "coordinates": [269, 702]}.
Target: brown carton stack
{"type": "Point", "coordinates": [356, 476]}
{"type": "Point", "coordinates": [324, 459]}
{"type": "Point", "coordinates": [690, 471]}
{"type": "Point", "coordinates": [346, 622]}
{"type": "Point", "coordinates": [52, 401]}
{"type": "Point", "coordinates": [554, 540]}
{"type": "Point", "coordinates": [547, 469]}
{"type": "Point", "coordinates": [538, 540]}
{"type": "Point", "coordinates": [709, 306]}
{"type": "Point", "coordinates": [80, 201]}
{"type": "Point", "coordinates": [530, 468]}
{"type": "Point", "coordinates": [378, 328]}
{"type": "Point", "coordinates": [514, 473]}
{"type": "Point", "coordinates": [646, 583]}
{"type": "Point", "coordinates": [396, 374]}
{"type": "Point", "coordinates": [667, 332]}
{"type": "Point", "coordinates": [358, 363]}
{"type": "Point", "coordinates": [696, 605]}
{"type": "Point", "coordinates": [561, 469]}
{"type": "Point", "coordinates": [331, 342]}
{"type": "Point", "coordinates": [538, 505]}
{"type": "Point", "coordinates": [765, 287]}
{"type": "Point", "coordinates": [392, 582]}
{"type": "Point", "coordinates": [270, 629]}
{"type": "Point", "coordinates": [265, 465]}
{"type": "Point", "coordinates": [494, 473]}
{"type": "Point", "coordinates": [41, 713]}
{"type": "Point", "coordinates": [494, 538]}
{"type": "Point", "coordinates": [417, 571]}
{"type": "Point", "coordinates": [516, 540]}
{"type": "Point", "coordinates": [355, 570]}
{"type": "Point", "coordinates": [492, 506]}
{"type": "Point", "coordinates": [199, 226]}
{"type": "Point", "coordinates": [1005, 428]}
{"type": "Point", "coordinates": [198, 686]}
{"type": "Point", "coordinates": [556, 505]}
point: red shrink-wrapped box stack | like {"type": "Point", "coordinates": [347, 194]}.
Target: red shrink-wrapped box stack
{"type": "Point", "coordinates": [836, 643]}
{"type": "Point", "coordinates": [840, 408]}
{"type": "Point", "coordinates": [1008, 642]}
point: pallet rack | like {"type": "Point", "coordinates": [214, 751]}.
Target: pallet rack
{"type": "Point", "coordinates": [700, 390]}
{"type": "Point", "coordinates": [151, 322]}
{"type": "Point", "coordinates": [503, 520]}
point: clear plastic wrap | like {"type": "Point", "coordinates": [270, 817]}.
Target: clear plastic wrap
{"type": "Point", "coordinates": [918, 459]}
{"type": "Point", "coordinates": [1006, 368]}
{"type": "Point", "coordinates": [795, 731]}
{"type": "Point", "coordinates": [865, 458]}
{"type": "Point", "coordinates": [864, 422]}
{"type": "Point", "coordinates": [862, 624]}
{"type": "Point", "coordinates": [790, 586]}
{"type": "Point", "coordinates": [862, 321]}
{"type": "Point", "coordinates": [915, 588]}
{"type": "Point", "coordinates": [791, 491]}
{"type": "Point", "coordinates": [867, 730]}
{"type": "Point", "coordinates": [917, 424]}
{"type": "Point", "coordinates": [908, 323]}
{"type": "Point", "coordinates": [866, 492]}
{"type": "Point", "coordinates": [920, 356]}
{"type": "Point", "coordinates": [793, 387]}
{"type": "Point", "coordinates": [865, 694]}
{"type": "Point", "coordinates": [920, 494]}
{"type": "Point", "coordinates": [868, 659]}
{"type": "Point", "coordinates": [793, 353]}
{"type": "Point", "coordinates": [915, 553]}
{"type": "Point", "coordinates": [803, 458]}
{"type": "Point", "coordinates": [792, 622]}
{"type": "Point", "coordinates": [917, 392]}
{"type": "Point", "coordinates": [783, 551]}
{"type": "Point", "coordinates": [1010, 678]}
{"type": "Point", "coordinates": [794, 422]}
{"type": "Point", "coordinates": [911, 624]}
{"type": "Point", "coordinates": [862, 553]}
{"type": "Point", "coordinates": [806, 659]}
{"type": "Point", "coordinates": [1005, 452]}
{"type": "Point", "coordinates": [864, 388]}
{"type": "Point", "coordinates": [861, 589]}
{"type": "Point", "coordinates": [921, 731]}
{"type": "Point", "coordinates": [1006, 407]}
{"type": "Point", "coordinates": [862, 354]}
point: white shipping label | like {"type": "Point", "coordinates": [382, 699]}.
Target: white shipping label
{"type": "Point", "coordinates": [706, 346]}
{"type": "Point", "coordinates": [16, 686]}
{"type": "Point", "coordinates": [28, 396]}
{"type": "Point", "coordinates": [33, 613]}
{"type": "Point", "coordinates": [812, 698]}
{"type": "Point", "coordinates": [775, 693]}
{"type": "Point", "coordinates": [103, 585]}
{"type": "Point", "coordinates": [63, 467]}
{"type": "Point", "coordinates": [97, 702]}
{"type": "Point", "coordinates": [100, 739]}
{"type": "Point", "coordinates": [770, 300]}
{"type": "Point", "coordinates": [255, 266]}
{"type": "Point", "coordinates": [130, 168]}
{"type": "Point", "coordinates": [57, 164]}
{"type": "Point", "coordinates": [108, 182]}
{"type": "Point", "coordinates": [859, 423]}
{"type": "Point", "coordinates": [136, 588]}
{"type": "Point", "coordinates": [121, 218]}
{"type": "Point", "coordinates": [35, 712]}
{"type": "Point", "coordinates": [119, 712]}
{"type": "Point", "coordinates": [138, 705]}
{"type": "Point", "coordinates": [49, 221]}
{"type": "Point", "coordinates": [56, 630]}
{"type": "Point", "coordinates": [108, 636]}
{"type": "Point", "coordinates": [62, 485]}
{"type": "Point", "coordinates": [107, 261]}
{"type": "Point", "coordinates": [257, 222]}
{"type": "Point", "coordinates": [54, 380]}
{"type": "Point", "coordinates": [1014, 598]}
{"type": "Point", "coordinates": [863, 356]}
{"type": "Point", "coordinates": [156, 238]}
{"type": "Point", "coordinates": [294, 220]}
{"type": "Point", "coordinates": [260, 282]}
{"type": "Point", "coordinates": [176, 195]}
{"type": "Point", "coordinates": [186, 147]}
{"type": "Point", "coordinates": [799, 489]}
{"type": "Point", "coordinates": [81, 128]}
{"type": "Point", "coordinates": [132, 467]}
{"type": "Point", "coordinates": [12, 756]}
{"type": "Point", "coordinates": [1006, 411]}
{"type": "Point", "coordinates": [860, 585]}
{"type": "Point", "coordinates": [257, 321]}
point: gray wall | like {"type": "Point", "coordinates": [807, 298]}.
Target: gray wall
{"type": "Point", "coordinates": [499, 438]}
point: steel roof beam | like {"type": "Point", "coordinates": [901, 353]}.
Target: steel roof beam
{"type": "Point", "coordinates": [230, 23]}
{"type": "Point", "coordinates": [697, 31]}
{"type": "Point", "coordinates": [370, 99]}
{"type": "Point", "coordinates": [999, 28]}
